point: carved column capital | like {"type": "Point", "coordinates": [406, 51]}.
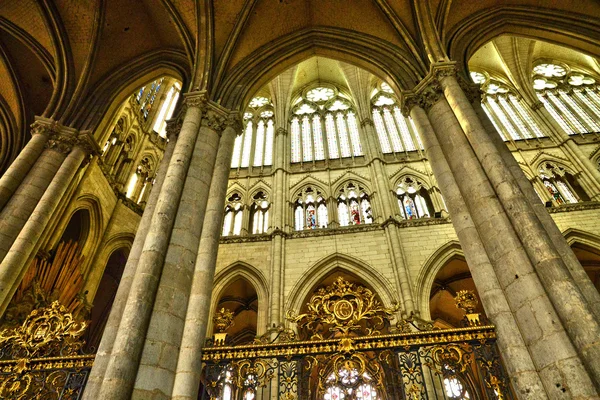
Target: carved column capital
{"type": "Point", "coordinates": [196, 99]}
{"type": "Point", "coordinates": [281, 131]}
{"type": "Point", "coordinates": [425, 97]}
{"type": "Point", "coordinates": [234, 121]}
{"type": "Point", "coordinates": [173, 128]}
{"type": "Point", "coordinates": [213, 120]}
{"type": "Point", "coordinates": [86, 142]}
{"type": "Point", "coordinates": [61, 142]}
{"type": "Point", "coordinates": [47, 128]}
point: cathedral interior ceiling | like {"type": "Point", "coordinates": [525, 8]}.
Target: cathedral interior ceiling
{"type": "Point", "coordinates": [56, 54]}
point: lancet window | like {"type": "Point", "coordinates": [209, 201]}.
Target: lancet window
{"type": "Point", "coordinates": [147, 96]}
{"type": "Point", "coordinates": [571, 97]}
{"type": "Point", "coordinates": [255, 145]}
{"type": "Point", "coordinates": [310, 209]}
{"type": "Point", "coordinates": [555, 180]}
{"type": "Point", "coordinates": [354, 206]}
{"type": "Point", "coordinates": [166, 111]}
{"type": "Point", "coordinates": [511, 117]}
{"type": "Point", "coordinates": [413, 199]}
{"type": "Point", "coordinates": [324, 126]}
{"type": "Point", "coordinates": [259, 212]}
{"type": "Point", "coordinates": [233, 219]}
{"type": "Point", "coordinates": [395, 132]}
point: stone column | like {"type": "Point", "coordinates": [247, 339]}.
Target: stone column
{"type": "Point", "coordinates": [393, 237]}
{"type": "Point", "coordinates": [189, 365]}
{"type": "Point", "coordinates": [15, 263]}
{"type": "Point", "coordinates": [519, 365]}
{"type": "Point", "coordinates": [18, 209]}
{"type": "Point", "coordinates": [524, 292]}
{"type": "Point", "coordinates": [112, 325]}
{"type": "Point", "coordinates": [571, 306]}
{"type": "Point", "coordinates": [276, 311]}
{"type": "Point", "coordinates": [122, 367]}
{"type": "Point", "coordinates": [156, 371]}
{"type": "Point", "coordinates": [15, 174]}
{"type": "Point", "coordinates": [579, 275]}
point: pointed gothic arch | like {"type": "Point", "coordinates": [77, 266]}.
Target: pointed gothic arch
{"type": "Point", "coordinates": [252, 275]}
{"type": "Point", "coordinates": [343, 263]}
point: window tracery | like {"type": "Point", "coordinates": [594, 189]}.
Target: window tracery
{"type": "Point", "coordinates": [555, 182]}
{"type": "Point", "coordinates": [413, 199]}
{"type": "Point", "coordinates": [571, 97]}
{"type": "Point", "coordinates": [232, 220]}
{"type": "Point", "coordinates": [354, 206]}
{"type": "Point", "coordinates": [141, 181]}
{"type": "Point", "coordinates": [393, 129]}
{"type": "Point", "coordinates": [323, 126]}
{"type": "Point", "coordinates": [260, 213]}
{"type": "Point", "coordinates": [510, 117]}
{"type": "Point", "coordinates": [310, 209]}
{"type": "Point", "coordinates": [255, 145]}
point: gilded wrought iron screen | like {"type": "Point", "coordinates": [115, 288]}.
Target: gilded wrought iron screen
{"type": "Point", "coordinates": [353, 352]}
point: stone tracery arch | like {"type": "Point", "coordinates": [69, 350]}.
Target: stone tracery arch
{"type": "Point", "coordinates": [338, 262]}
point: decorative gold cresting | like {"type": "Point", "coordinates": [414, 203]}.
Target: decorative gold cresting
{"type": "Point", "coordinates": [223, 320]}
{"type": "Point", "coordinates": [46, 332]}
{"type": "Point", "coordinates": [467, 301]}
{"type": "Point", "coordinates": [344, 308]}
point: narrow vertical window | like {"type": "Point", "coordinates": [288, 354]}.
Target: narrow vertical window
{"type": "Point", "coordinates": [392, 130]}
{"type": "Point", "coordinates": [237, 151]}
{"type": "Point", "coordinates": [331, 137]}
{"type": "Point", "coordinates": [354, 136]}
{"type": "Point", "coordinates": [269, 143]}
{"type": "Point", "coordinates": [529, 121]}
{"type": "Point", "coordinates": [247, 145]}
{"type": "Point", "coordinates": [343, 135]}
{"type": "Point", "coordinates": [409, 145]}
{"type": "Point", "coordinates": [295, 137]}
{"type": "Point", "coordinates": [386, 147]}
{"type": "Point", "coordinates": [306, 140]}
{"type": "Point", "coordinates": [318, 136]}
{"type": "Point", "coordinates": [259, 145]}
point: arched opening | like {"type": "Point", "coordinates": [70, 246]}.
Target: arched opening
{"type": "Point", "coordinates": [453, 277]}
{"type": "Point", "coordinates": [241, 299]}
{"type": "Point", "coordinates": [589, 257]}
{"type": "Point", "coordinates": [105, 295]}
{"type": "Point", "coordinates": [78, 228]}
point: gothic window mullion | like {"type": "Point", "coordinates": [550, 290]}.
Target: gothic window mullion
{"type": "Point", "coordinates": [576, 97]}
{"type": "Point", "coordinates": [556, 114]}
{"type": "Point", "coordinates": [324, 136]}
{"type": "Point", "coordinates": [584, 97]}
{"type": "Point", "coordinates": [347, 126]}
{"type": "Point", "coordinates": [566, 113]}
{"type": "Point", "coordinates": [504, 121]}
{"type": "Point", "coordinates": [580, 114]}
{"type": "Point", "coordinates": [497, 123]}
{"type": "Point", "coordinates": [337, 135]}
{"type": "Point", "coordinates": [527, 116]}
{"type": "Point", "coordinates": [517, 123]}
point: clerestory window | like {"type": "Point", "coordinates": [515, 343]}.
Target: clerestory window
{"type": "Point", "coordinates": [323, 126]}
{"type": "Point", "coordinates": [254, 147]}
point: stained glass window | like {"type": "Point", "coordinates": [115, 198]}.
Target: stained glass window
{"type": "Point", "coordinates": [354, 207]}
{"type": "Point", "coordinates": [150, 97]}
{"type": "Point", "coordinates": [327, 127]}
{"type": "Point", "coordinates": [310, 210]}
{"type": "Point", "coordinates": [413, 199]}
{"type": "Point", "coordinates": [554, 180]}
{"type": "Point", "coordinates": [269, 143]}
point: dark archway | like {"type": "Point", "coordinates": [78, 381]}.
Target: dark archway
{"type": "Point", "coordinates": [105, 296]}
{"type": "Point", "coordinates": [240, 297]}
